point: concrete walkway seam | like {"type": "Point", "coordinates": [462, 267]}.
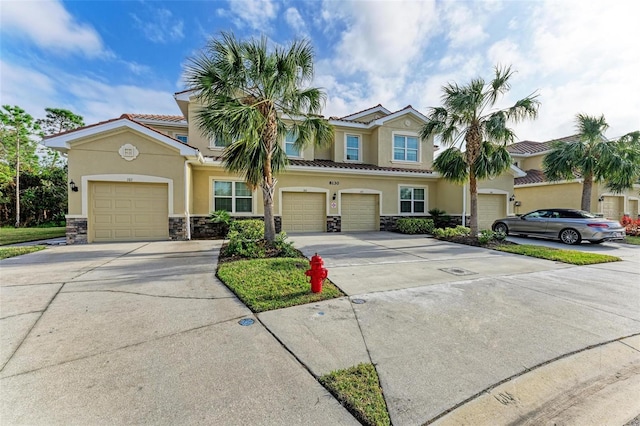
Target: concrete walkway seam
{"type": "Point", "coordinates": [54, 297]}
{"type": "Point", "coordinates": [132, 345]}
{"type": "Point", "coordinates": [150, 295]}
{"type": "Point", "coordinates": [527, 370]}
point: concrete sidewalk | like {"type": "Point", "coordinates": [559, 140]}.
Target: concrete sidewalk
{"type": "Point", "coordinates": [142, 333]}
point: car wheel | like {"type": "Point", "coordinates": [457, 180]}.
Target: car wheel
{"type": "Point", "coordinates": [570, 236]}
{"type": "Point", "coordinates": [501, 227]}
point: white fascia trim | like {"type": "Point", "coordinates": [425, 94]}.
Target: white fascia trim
{"type": "Point", "coordinates": [367, 112]}
{"type": "Point", "coordinates": [304, 189]}
{"type": "Point", "coordinates": [516, 171]}
{"type": "Point", "coordinates": [129, 178]}
{"type": "Point", "coordinates": [380, 121]}
{"type": "Point", "coordinates": [530, 154]}
{"type": "Point", "coordinates": [64, 141]}
{"type": "Point", "coordinates": [364, 191]}
{"type": "Point", "coordinates": [560, 182]}
{"type": "Point", "coordinates": [184, 96]}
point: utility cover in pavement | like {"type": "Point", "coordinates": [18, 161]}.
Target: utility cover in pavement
{"type": "Point", "coordinates": [458, 271]}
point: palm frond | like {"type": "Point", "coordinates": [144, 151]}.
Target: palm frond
{"type": "Point", "coordinates": [493, 160]}
{"type": "Point", "coordinates": [452, 165]}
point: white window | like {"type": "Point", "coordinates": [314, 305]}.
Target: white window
{"type": "Point", "coordinates": [289, 146]}
{"type": "Point", "coordinates": [234, 197]}
{"type": "Point", "coordinates": [219, 142]}
{"type": "Point", "coordinates": [182, 138]}
{"type": "Point", "coordinates": [352, 148]}
{"type": "Point", "coordinates": [405, 148]}
{"type": "Point", "coordinates": [412, 200]}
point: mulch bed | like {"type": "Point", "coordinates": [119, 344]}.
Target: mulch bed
{"type": "Point", "coordinates": [473, 241]}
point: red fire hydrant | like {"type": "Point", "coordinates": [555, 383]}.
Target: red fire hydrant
{"type": "Point", "coordinates": [317, 273]}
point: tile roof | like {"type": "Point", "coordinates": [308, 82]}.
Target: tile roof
{"type": "Point", "coordinates": [345, 117]}
{"type": "Point", "coordinates": [533, 176]}
{"type": "Point", "coordinates": [530, 147]}
{"type": "Point", "coordinates": [328, 164]}
{"type": "Point", "coordinates": [156, 117]}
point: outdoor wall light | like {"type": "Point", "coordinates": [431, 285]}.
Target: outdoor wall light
{"type": "Point", "coordinates": [334, 196]}
{"type": "Point", "coordinates": [601, 199]}
{"type": "Point", "coordinates": [512, 198]}
{"type": "Point", "coordinates": [73, 186]}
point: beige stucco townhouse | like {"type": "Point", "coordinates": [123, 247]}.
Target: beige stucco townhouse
{"type": "Point", "coordinates": [534, 191]}
{"type": "Point", "coordinates": [155, 177]}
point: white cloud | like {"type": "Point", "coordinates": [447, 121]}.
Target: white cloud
{"type": "Point", "coordinates": [256, 14]}
{"type": "Point", "coordinates": [295, 21]}
{"type": "Point", "coordinates": [33, 91]}
{"type": "Point", "coordinates": [160, 26]}
{"type": "Point", "coordinates": [465, 25]}
{"type": "Point", "coordinates": [51, 27]}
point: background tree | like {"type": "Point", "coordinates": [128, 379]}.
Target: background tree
{"type": "Point", "coordinates": [253, 96]}
{"type": "Point", "coordinates": [594, 158]}
{"type": "Point", "coordinates": [468, 116]}
{"type": "Point", "coordinates": [58, 120]}
{"type": "Point", "coordinates": [18, 145]}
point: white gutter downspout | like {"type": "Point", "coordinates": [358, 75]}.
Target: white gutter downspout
{"type": "Point", "coordinates": [187, 215]}
{"type": "Point", "coordinates": [464, 204]}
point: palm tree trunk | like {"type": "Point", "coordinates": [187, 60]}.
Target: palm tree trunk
{"type": "Point", "coordinates": [473, 189]}
{"type": "Point", "coordinates": [587, 185]}
{"type": "Point", "coordinates": [269, 183]}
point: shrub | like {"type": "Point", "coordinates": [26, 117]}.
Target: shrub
{"type": "Point", "coordinates": [486, 236]}
{"type": "Point", "coordinates": [631, 226]}
{"type": "Point", "coordinates": [222, 219]}
{"type": "Point", "coordinates": [440, 218]}
{"type": "Point", "coordinates": [285, 248]}
{"type": "Point", "coordinates": [414, 226]}
{"type": "Point", "coordinates": [245, 239]}
{"type": "Point", "coordinates": [458, 231]}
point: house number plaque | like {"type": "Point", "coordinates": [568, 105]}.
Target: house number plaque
{"type": "Point", "coordinates": [334, 182]}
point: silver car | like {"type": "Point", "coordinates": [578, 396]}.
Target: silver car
{"type": "Point", "coordinates": [568, 225]}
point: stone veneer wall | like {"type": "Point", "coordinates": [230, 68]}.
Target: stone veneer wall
{"type": "Point", "coordinates": [203, 229]}
{"type": "Point", "coordinates": [177, 229]}
{"type": "Point", "coordinates": [388, 223]}
{"type": "Point", "coordinates": [77, 231]}
{"type": "Point", "coordinates": [334, 223]}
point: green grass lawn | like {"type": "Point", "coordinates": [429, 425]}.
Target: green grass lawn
{"type": "Point", "coordinates": [359, 390]}
{"type": "Point", "coordinates": [6, 252]}
{"type": "Point", "coordinates": [573, 257]}
{"type": "Point", "coordinates": [273, 283]}
{"type": "Point", "coordinates": [629, 239]}
{"type": "Point", "coordinates": [23, 235]}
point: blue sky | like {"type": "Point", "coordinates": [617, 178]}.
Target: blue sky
{"type": "Point", "coordinates": [104, 58]}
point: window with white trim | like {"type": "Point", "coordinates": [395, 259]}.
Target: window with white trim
{"type": "Point", "coordinates": [412, 200]}
{"type": "Point", "coordinates": [234, 197]}
{"type": "Point", "coordinates": [289, 145]}
{"type": "Point", "coordinates": [405, 148]}
{"type": "Point", "coordinates": [219, 142]}
{"type": "Point", "coordinates": [352, 148]}
{"type": "Point", "coordinates": [182, 138]}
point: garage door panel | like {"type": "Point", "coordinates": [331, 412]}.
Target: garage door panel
{"type": "Point", "coordinates": [360, 212]}
{"type": "Point", "coordinates": [128, 212]}
{"type": "Point", "coordinates": [611, 207]}
{"type": "Point", "coordinates": [490, 208]}
{"type": "Point", "coordinates": [304, 212]}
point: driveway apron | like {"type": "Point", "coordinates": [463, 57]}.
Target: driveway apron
{"type": "Point", "coordinates": [443, 322]}
{"type": "Point", "coordinates": [142, 333]}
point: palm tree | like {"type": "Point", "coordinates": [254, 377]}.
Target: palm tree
{"type": "Point", "coordinates": [594, 158]}
{"type": "Point", "coordinates": [253, 96]}
{"type": "Point", "coordinates": [467, 115]}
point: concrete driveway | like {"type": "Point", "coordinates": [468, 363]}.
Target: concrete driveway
{"type": "Point", "coordinates": [444, 323]}
{"type": "Point", "coordinates": [142, 333]}
{"type": "Point", "coordinates": [145, 333]}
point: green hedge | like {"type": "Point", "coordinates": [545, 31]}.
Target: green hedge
{"type": "Point", "coordinates": [414, 226]}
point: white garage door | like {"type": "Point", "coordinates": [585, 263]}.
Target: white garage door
{"type": "Point", "coordinates": [633, 208]}
{"type": "Point", "coordinates": [360, 212]}
{"type": "Point", "coordinates": [612, 207]}
{"type": "Point", "coordinates": [304, 212]}
{"type": "Point", "coordinates": [128, 212]}
{"type": "Point", "coordinates": [490, 208]}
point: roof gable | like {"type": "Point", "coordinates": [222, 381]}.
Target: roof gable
{"type": "Point", "coordinates": [63, 141]}
{"type": "Point", "coordinates": [378, 108]}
